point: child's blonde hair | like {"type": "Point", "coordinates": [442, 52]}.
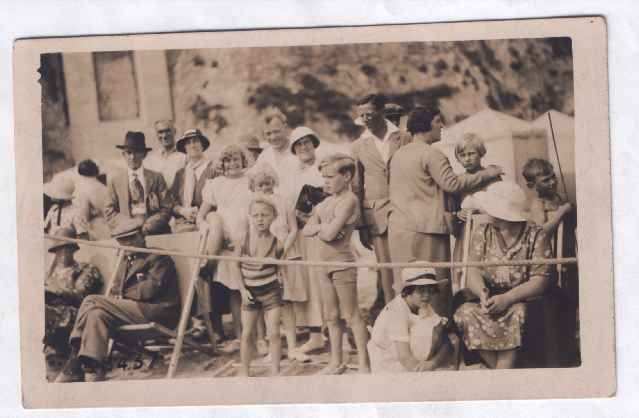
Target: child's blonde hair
{"type": "Point", "coordinates": [472, 141]}
{"type": "Point", "coordinates": [343, 163]}
{"type": "Point", "coordinates": [230, 150]}
{"type": "Point", "coordinates": [265, 200]}
{"type": "Point", "coordinates": [262, 172]}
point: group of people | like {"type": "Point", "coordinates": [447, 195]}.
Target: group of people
{"type": "Point", "coordinates": [298, 199]}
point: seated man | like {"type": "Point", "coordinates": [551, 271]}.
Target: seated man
{"type": "Point", "coordinates": [408, 335]}
{"type": "Point", "coordinates": [138, 192]}
{"type": "Point", "coordinates": [144, 290]}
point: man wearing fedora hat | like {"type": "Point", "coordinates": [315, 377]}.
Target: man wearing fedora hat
{"type": "Point", "coordinates": [408, 336]}
{"type": "Point", "coordinates": [166, 159]}
{"type": "Point", "coordinates": [186, 191]}
{"type": "Point", "coordinates": [144, 290]}
{"type": "Point", "coordinates": [138, 192]}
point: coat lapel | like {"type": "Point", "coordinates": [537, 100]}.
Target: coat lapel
{"type": "Point", "coordinates": [123, 193]}
{"type": "Point", "coordinates": [136, 267]}
{"type": "Point", "coordinates": [373, 153]}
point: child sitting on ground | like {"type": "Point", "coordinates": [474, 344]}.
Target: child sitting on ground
{"type": "Point", "coordinates": [547, 208]}
{"type": "Point", "coordinates": [258, 283]}
{"type": "Point", "coordinates": [333, 222]}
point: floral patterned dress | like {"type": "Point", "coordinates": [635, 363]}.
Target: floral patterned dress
{"type": "Point", "coordinates": [483, 331]}
{"type": "Point", "coordinates": [65, 288]}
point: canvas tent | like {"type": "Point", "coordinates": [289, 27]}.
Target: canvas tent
{"type": "Point", "coordinates": [563, 127]}
{"type": "Point", "coordinates": [509, 141]}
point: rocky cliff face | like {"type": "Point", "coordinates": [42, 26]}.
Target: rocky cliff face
{"type": "Point", "coordinates": [223, 90]}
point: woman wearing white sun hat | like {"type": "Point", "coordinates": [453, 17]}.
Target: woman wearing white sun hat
{"type": "Point", "coordinates": [492, 323]}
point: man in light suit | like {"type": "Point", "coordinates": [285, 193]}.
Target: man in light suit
{"type": "Point", "coordinates": [138, 192]}
{"type": "Point", "coordinates": [145, 289]}
{"type": "Point", "coordinates": [372, 151]}
{"type": "Point", "coordinates": [420, 176]}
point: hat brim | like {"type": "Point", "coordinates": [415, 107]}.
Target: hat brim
{"type": "Point", "coordinates": [125, 147]}
{"type": "Point", "coordinates": [316, 142]}
{"type": "Point", "coordinates": [424, 280]}
{"type": "Point", "coordinates": [60, 244]}
{"type": "Point", "coordinates": [181, 143]}
{"type": "Point", "coordinates": [496, 210]}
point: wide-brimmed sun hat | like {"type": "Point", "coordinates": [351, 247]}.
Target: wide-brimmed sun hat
{"type": "Point", "coordinates": [419, 276]}
{"type": "Point", "coordinates": [127, 226]}
{"type": "Point", "coordinates": [65, 232]}
{"type": "Point", "coordinates": [503, 200]}
{"type": "Point", "coordinates": [192, 133]}
{"type": "Point", "coordinates": [60, 187]}
{"type": "Point", "coordinates": [300, 132]}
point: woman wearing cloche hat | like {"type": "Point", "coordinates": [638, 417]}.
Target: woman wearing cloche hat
{"type": "Point", "coordinates": [492, 323]}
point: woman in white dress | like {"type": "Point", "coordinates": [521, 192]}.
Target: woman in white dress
{"type": "Point", "coordinates": [223, 212]}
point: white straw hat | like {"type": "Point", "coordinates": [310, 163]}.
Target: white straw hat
{"type": "Point", "coordinates": [503, 200]}
{"type": "Point", "coordinates": [419, 276]}
{"type": "Point", "coordinates": [301, 132]}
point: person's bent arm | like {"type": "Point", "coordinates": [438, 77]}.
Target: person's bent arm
{"type": "Point", "coordinates": [439, 167]}
{"type": "Point", "coordinates": [343, 212]}
{"type": "Point", "coordinates": [205, 208]}
{"type": "Point", "coordinates": [312, 227]}
{"type": "Point", "coordinates": [292, 233]}
{"type": "Point", "coordinates": [405, 356]}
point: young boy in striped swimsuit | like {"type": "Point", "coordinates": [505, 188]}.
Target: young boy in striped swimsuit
{"type": "Point", "coordinates": [259, 284]}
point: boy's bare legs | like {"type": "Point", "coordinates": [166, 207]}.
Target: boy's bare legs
{"type": "Point", "coordinates": [288, 321]}
{"type": "Point", "coordinates": [347, 297]}
{"type": "Point", "coordinates": [330, 308]}
{"type": "Point", "coordinates": [261, 344]}
{"type": "Point", "coordinates": [236, 312]}
{"type": "Point", "coordinates": [246, 350]}
{"type": "Point", "coordinates": [490, 357]}
{"type": "Point", "coordinates": [272, 318]}
{"type": "Point", "coordinates": [382, 253]}
{"type": "Point", "coordinates": [506, 359]}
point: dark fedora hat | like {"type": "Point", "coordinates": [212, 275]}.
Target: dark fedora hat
{"type": "Point", "coordinates": [192, 133]}
{"type": "Point", "coordinates": [134, 141]}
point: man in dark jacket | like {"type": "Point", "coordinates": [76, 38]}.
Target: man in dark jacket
{"type": "Point", "coordinates": [145, 289]}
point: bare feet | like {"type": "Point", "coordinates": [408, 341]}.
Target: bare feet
{"type": "Point", "coordinates": [333, 369]}
{"type": "Point", "coordinates": [316, 342]}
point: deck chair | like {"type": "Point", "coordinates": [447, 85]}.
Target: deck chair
{"type": "Point", "coordinates": [135, 337]}
{"type": "Point", "coordinates": [541, 327]}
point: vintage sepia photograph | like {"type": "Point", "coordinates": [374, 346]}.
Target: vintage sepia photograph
{"type": "Point", "coordinates": [370, 207]}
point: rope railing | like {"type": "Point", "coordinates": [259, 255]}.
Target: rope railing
{"type": "Point", "coordinates": [312, 263]}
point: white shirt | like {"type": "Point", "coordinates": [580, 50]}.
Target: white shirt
{"type": "Point", "coordinates": [165, 163]}
{"type": "Point", "coordinates": [396, 323]}
{"type": "Point", "coordinates": [192, 174]}
{"type": "Point", "coordinates": [383, 145]}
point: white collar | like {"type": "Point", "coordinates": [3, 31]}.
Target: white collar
{"type": "Point", "coordinates": [390, 129]}
{"type": "Point", "coordinates": [139, 172]}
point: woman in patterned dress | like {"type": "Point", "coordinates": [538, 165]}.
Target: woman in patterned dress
{"type": "Point", "coordinates": [66, 285]}
{"type": "Point", "coordinates": [493, 322]}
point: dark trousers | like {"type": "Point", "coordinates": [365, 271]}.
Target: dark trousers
{"type": "Point", "coordinates": [98, 318]}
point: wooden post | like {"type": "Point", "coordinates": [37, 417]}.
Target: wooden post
{"type": "Point", "coordinates": [118, 263]}
{"type": "Point", "coordinates": [468, 229]}
{"type": "Point", "coordinates": [186, 309]}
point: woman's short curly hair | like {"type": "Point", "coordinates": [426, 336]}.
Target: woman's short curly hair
{"type": "Point", "coordinates": [262, 172]}
{"type": "Point", "coordinates": [472, 141]}
{"type": "Point", "coordinates": [227, 152]}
